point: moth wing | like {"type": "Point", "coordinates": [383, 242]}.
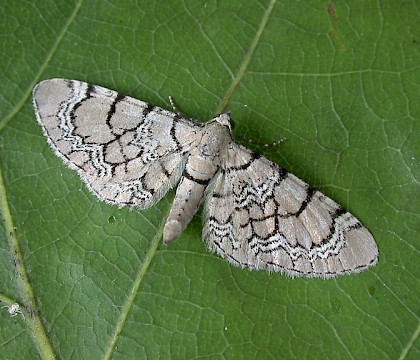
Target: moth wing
{"type": "Point", "coordinates": [127, 151]}
{"type": "Point", "coordinates": [257, 215]}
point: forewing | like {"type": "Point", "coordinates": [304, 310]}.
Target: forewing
{"type": "Point", "coordinates": [257, 215]}
{"type": "Point", "coordinates": [127, 151]}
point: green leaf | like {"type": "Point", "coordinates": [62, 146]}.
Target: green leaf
{"type": "Point", "coordinates": [340, 80]}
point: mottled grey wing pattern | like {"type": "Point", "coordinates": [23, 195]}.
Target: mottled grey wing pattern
{"type": "Point", "coordinates": [257, 215]}
{"type": "Point", "coordinates": [129, 159]}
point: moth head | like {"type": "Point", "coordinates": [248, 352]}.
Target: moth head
{"type": "Point", "coordinates": [225, 120]}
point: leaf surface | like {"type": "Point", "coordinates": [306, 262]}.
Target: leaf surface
{"type": "Point", "coordinates": [339, 80]}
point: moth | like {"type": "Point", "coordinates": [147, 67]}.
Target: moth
{"type": "Point", "coordinates": [256, 214]}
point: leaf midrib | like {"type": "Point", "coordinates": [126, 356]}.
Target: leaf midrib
{"type": "Point", "coordinates": [155, 243]}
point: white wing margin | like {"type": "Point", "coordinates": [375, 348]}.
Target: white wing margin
{"type": "Point", "coordinates": [127, 151]}
{"type": "Point", "coordinates": [257, 215]}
